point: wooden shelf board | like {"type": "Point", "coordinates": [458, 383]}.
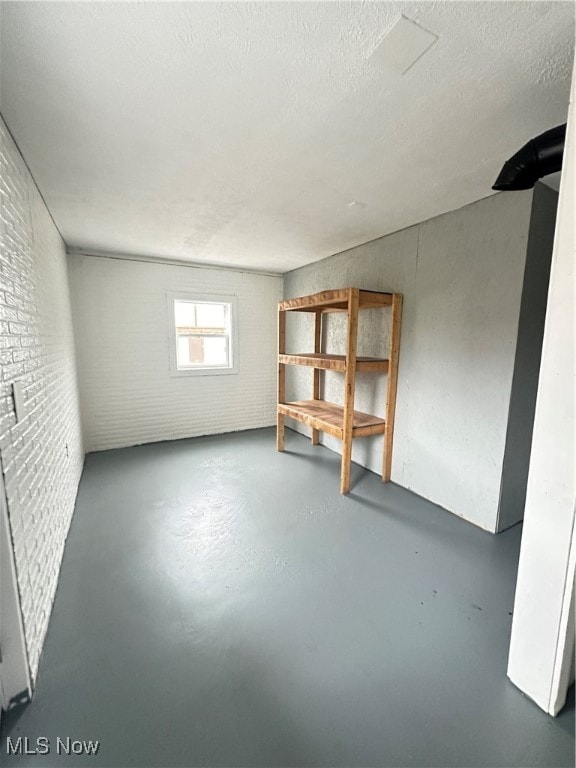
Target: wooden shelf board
{"type": "Point", "coordinates": [333, 362]}
{"type": "Point", "coordinates": [334, 301]}
{"type": "Point", "coordinates": [375, 299]}
{"type": "Point", "coordinates": [329, 417]}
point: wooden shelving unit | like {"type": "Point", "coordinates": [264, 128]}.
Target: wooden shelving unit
{"type": "Point", "coordinates": [340, 421]}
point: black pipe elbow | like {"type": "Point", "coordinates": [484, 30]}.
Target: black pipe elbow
{"type": "Point", "coordinates": [537, 158]}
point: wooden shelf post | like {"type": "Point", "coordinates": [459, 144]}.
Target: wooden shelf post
{"type": "Point", "coordinates": [392, 385]}
{"type": "Point", "coordinates": [280, 429]}
{"type": "Point", "coordinates": [316, 387]}
{"type": "Point", "coordinates": [349, 386]}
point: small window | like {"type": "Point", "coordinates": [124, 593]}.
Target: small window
{"type": "Point", "coordinates": [202, 334]}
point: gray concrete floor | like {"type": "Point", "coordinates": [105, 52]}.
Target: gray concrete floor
{"type": "Point", "coordinates": [222, 605]}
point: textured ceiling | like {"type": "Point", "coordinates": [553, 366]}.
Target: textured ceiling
{"type": "Point", "coordinates": [238, 133]}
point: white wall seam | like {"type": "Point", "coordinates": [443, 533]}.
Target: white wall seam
{"type": "Point", "coordinates": [176, 262]}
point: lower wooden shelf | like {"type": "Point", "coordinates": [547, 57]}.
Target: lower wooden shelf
{"type": "Point", "coordinates": [329, 417]}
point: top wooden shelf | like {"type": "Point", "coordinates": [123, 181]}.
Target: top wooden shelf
{"type": "Point", "coordinates": [335, 301]}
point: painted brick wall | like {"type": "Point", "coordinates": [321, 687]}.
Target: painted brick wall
{"type": "Point", "coordinates": [42, 455]}
{"type": "Point", "coordinates": [128, 395]}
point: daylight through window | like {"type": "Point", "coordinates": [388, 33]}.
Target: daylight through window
{"type": "Point", "coordinates": [203, 334]}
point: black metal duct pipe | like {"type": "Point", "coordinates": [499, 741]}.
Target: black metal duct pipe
{"type": "Point", "coordinates": [537, 158]}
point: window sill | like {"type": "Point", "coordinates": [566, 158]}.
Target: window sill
{"type": "Point", "coordinates": [203, 372]}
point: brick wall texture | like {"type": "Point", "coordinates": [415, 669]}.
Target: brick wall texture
{"type": "Point", "coordinates": [121, 323]}
{"type": "Point", "coordinates": [42, 454]}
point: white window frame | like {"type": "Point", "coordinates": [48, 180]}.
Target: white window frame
{"type": "Point", "coordinates": [203, 298]}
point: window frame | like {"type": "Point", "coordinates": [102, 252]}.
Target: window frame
{"type": "Point", "coordinates": [202, 298]}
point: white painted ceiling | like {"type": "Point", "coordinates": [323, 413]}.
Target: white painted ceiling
{"type": "Point", "coordinates": [238, 133]}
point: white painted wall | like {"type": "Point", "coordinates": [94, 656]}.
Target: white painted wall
{"type": "Point", "coordinates": [15, 681]}
{"type": "Point", "coordinates": [461, 275]}
{"type": "Point", "coordinates": [542, 644]}
{"type": "Point", "coordinates": [128, 395]}
{"type": "Point", "coordinates": [527, 360]}
{"type": "Point", "coordinates": [42, 454]}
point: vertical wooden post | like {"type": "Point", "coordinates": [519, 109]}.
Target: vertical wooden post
{"type": "Point", "coordinates": [392, 384]}
{"type": "Point", "coordinates": [281, 379]}
{"type": "Point", "coordinates": [316, 388]}
{"type": "Point", "coordinates": [350, 382]}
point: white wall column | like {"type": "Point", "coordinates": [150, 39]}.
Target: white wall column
{"type": "Point", "coordinates": [542, 644]}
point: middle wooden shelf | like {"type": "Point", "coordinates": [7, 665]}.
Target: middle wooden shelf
{"type": "Point", "coordinates": [328, 362]}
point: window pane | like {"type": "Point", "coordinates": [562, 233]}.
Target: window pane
{"type": "Point", "coordinates": [183, 349]}
{"type": "Point", "coordinates": [203, 334]}
{"type": "Point", "coordinates": [215, 350]}
{"type": "Point", "coordinates": [211, 315]}
{"type": "Point", "coordinates": [184, 314]}
{"type": "Point", "coordinates": [202, 350]}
